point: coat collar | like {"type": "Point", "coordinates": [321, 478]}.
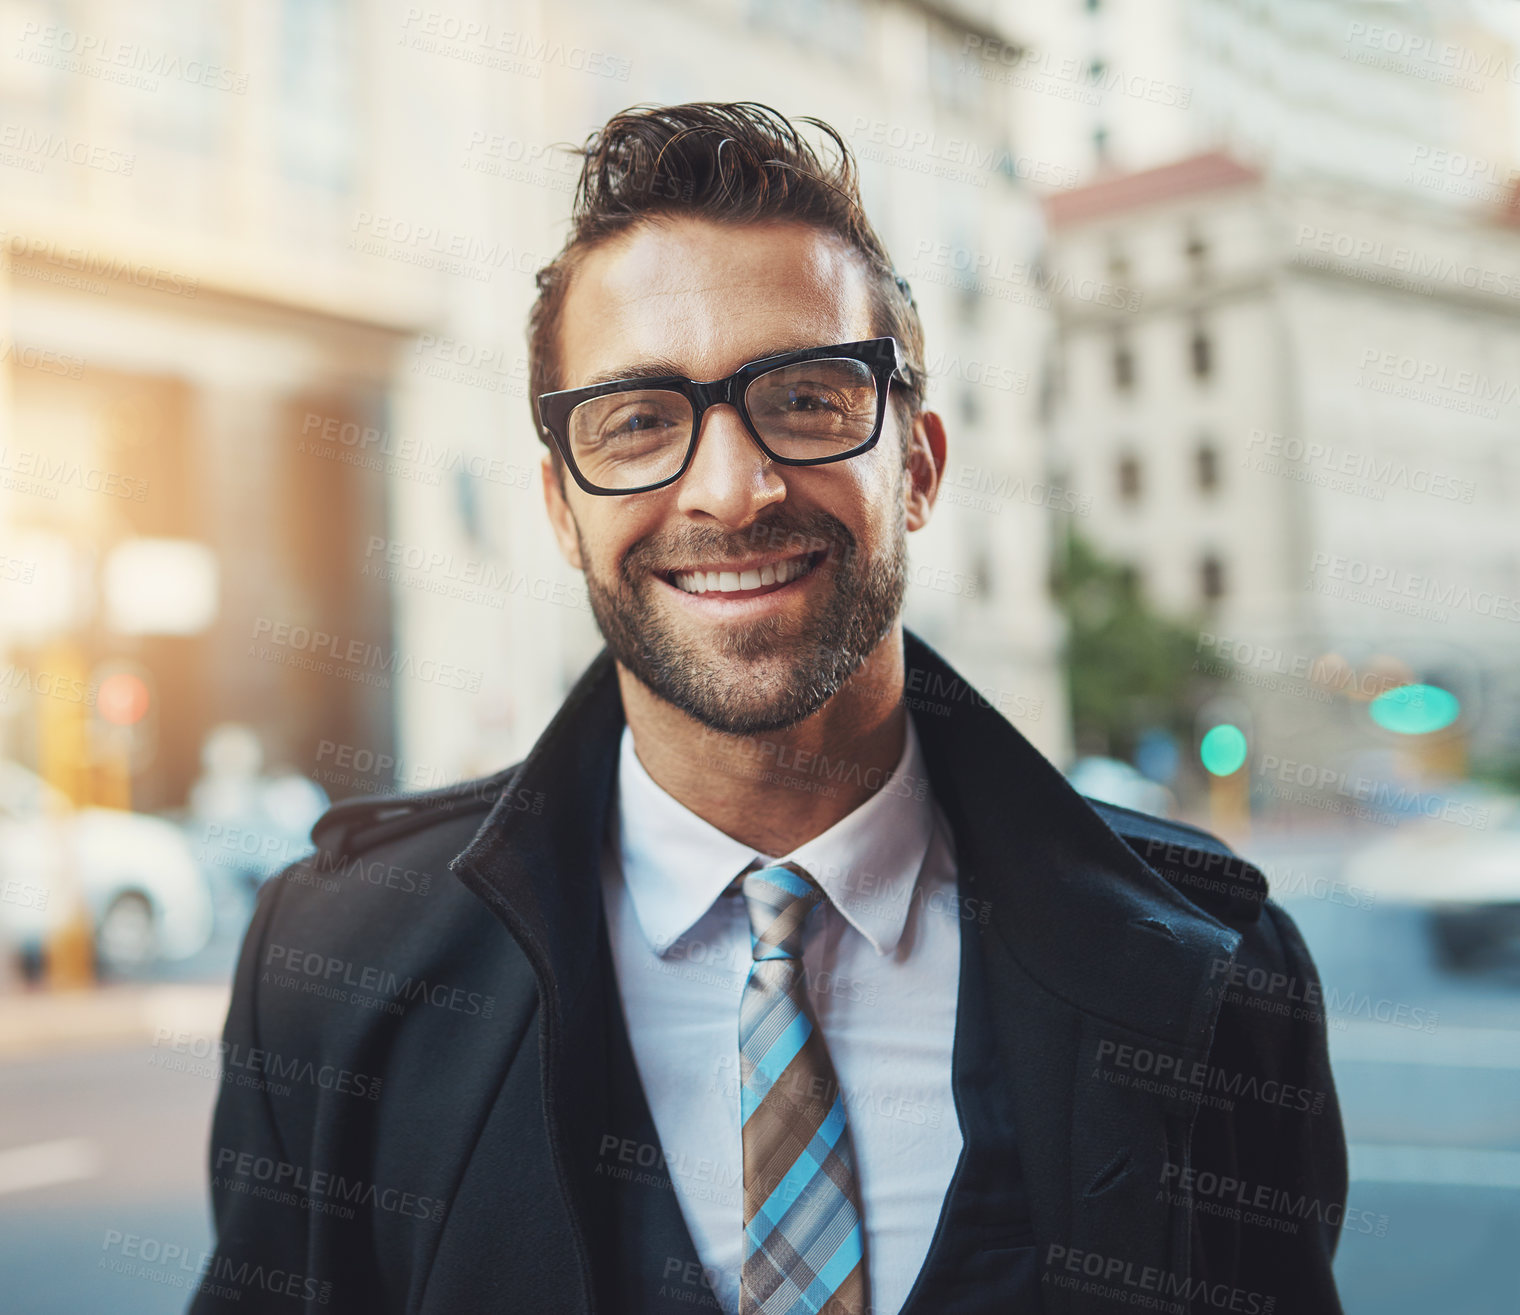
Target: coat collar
{"type": "Point", "coordinates": [1085, 947]}
{"type": "Point", "coordinates": [1077, 909]}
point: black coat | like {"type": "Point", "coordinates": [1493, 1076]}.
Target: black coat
{"type": "Point", "coordinates": [416, 1072]}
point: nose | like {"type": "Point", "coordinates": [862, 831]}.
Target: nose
{"type": "Point", "coordinates": [730, 479]}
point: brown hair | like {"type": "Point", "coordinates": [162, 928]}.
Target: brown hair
{"type": "Point", "coordinates": [738, 163]}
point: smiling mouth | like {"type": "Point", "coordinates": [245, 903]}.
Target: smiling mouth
{"type": "Point", "coordinates": [747, 581]}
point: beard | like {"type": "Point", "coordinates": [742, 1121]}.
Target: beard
{"type": "Point", "coordinates": [774, 672]}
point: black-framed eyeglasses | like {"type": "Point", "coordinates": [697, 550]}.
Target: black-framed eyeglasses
{"type": "Point", "coordinates": [802, 408]}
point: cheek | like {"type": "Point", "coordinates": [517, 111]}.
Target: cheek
{"type": "Point", "coordinates": [609, 532]}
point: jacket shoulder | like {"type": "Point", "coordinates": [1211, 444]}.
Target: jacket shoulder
{"type": "Point", "coordinates": [366, 821]}
{"type": "Point", "coordinates": [1197, 863]}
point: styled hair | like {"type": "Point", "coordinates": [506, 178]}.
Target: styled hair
{"type": "Point", "coordinates": [736, 163]}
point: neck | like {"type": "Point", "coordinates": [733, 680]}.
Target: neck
{"type": "Point", "coordinates": [776, 791]}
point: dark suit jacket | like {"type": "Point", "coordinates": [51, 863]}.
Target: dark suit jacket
{"type": "Point", "coordinates": [414, 1110]}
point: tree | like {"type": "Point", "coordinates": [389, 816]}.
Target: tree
{"type": "Point", "coordinates": [1129, 668]}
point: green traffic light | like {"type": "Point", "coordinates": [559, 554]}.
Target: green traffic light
{"type": "Point", "coordinates": [1415, 709]}
{"type": "Point", "coordinates": [1223, 750]}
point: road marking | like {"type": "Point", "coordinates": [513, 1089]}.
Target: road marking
{"type": "Point", "coordinates": [45, 1163]}
{"type": "Point", "coordinates": [1443, 1166]}
{"type": "Point", "coordinates": [1447, 1047]}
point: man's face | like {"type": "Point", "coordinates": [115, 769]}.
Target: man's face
{"type": "Point", "coordinates": [818, 554]}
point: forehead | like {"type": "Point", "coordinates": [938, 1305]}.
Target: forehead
{"type": "Point", "coordinates": [708, 297]}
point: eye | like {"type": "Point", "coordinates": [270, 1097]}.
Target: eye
{"type": "Point", "coordinates": [634, 421]}
{"type": "Point", "coordinates": [809, 397]}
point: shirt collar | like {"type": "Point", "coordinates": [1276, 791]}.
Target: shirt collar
{"type": "Point", "coordinates": [676, 864]}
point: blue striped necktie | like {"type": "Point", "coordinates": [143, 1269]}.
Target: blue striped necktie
{"type": "Point", "coordinates": [804, 1247]}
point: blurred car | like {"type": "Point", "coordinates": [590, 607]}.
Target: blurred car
{"type": "Point", "coordinates": [140, 884]}
{"type": "Point", "coordinates": [1116, 782]}
{"type": "Point", "coordinates": [245, 825]}
{"type": "Point", "coordinates": [1462, 867]}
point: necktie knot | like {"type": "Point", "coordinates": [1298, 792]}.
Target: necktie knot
{"type": "Point", "coordinates": [779, 900]}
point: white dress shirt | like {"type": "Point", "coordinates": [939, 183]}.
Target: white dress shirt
{"type": "Point", "coordinates": [882, 960]}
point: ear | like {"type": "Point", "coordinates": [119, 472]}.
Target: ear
{"type": "Point", "coordinates": [926, 467]}
{"type": "Point", "coordinates": [561, 519]}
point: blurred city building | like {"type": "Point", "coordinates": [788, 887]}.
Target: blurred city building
{"type": "Point", "coordinates": [1296, 427]}
{"type": "Point", "coordinates": [264, 277]}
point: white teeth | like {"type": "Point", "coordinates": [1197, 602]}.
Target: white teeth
{"type": "Point", "coordinates": [727, 582]}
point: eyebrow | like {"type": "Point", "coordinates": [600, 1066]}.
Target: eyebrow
{"type": "Point", "coordinates": [656, 367]}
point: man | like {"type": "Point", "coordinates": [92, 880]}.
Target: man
{"type": "Point", "coordinates": [783, 975]}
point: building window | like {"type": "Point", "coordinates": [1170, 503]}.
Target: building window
{"type": "Point", "coordinates": [1124, 363]}
{"type": "Point", "coordinates": [1197, 252]}
{"type": "Point", "coordinates": [1096, 68]}
{"type": "Point", "coordinates": [1100, 144]}
{"type": "Point", "coordinates": [1129, 477]}
{"type": "Point", "coordinates": [1211, 578]}
{"type": "Point", "coordinates": [1118, 263]}
{"type": "Point", "coordinates": [1201, 351]}
{"type": "Point", "coordinates": [1206, 465]}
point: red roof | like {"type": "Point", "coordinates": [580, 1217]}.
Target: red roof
{"type": "Point", "coordinates": [1212, 171]}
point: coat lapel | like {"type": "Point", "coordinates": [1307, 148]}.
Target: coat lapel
{"type": "Point", "coordinates": [1098, 972]}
